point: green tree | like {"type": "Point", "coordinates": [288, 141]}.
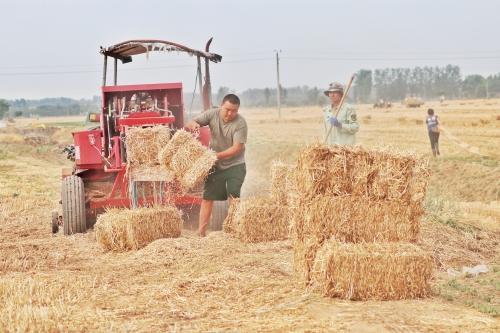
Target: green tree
{"type": "Point", "coordinates": [4, 108]}
{"type": "Point", "coordinates": [363, 85]}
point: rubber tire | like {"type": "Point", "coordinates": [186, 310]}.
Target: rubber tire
{"type": "Point", "coordinates": [219, 213]}
{"type": "Point", "coordinates": [73, 205]}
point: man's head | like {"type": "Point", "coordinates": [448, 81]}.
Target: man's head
{"type": "Point", "coordinates": [335, 92]}
{"type": "Point", "coordinates": [430, 112]}
{"type": "Point", "coordinates": [229, 107]}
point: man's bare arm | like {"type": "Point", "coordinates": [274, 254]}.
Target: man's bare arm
{"type": "Point", "coordinates": [230, 152]}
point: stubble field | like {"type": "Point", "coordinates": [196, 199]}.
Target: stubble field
{"type": "Point", "coordinates": [60, 283]}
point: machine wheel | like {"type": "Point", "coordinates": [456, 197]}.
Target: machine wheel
{"type": "Point", "coordinates": [73, 205]}
{"type": "Point", "coordinates": [55, 221]}
{"type": "Point", "coordinates": [219, 213]}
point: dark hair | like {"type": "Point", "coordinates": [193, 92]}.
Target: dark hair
{"type": "Point", "coordinates": [430, 112]}
{"type": "Point", "coordinates": [231, 98]}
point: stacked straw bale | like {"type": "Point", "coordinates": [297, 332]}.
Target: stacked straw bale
{"type": "Point", "coordinates": [279, 175]}
{"type": "Point", "coordinates": [256, 220]}
{"type": "Point", "coordinates": [355, 219]}
{"type": "Point", "coordinates": [351, 196]}
{"type": "Point", "coordinates": [132, 229]}
{"type": "Point", "coordinates": [143, 144]}
{"type": "Point", "coordinates": [188, 159]}
{"type": "Point", "coordinates": [382, 271]}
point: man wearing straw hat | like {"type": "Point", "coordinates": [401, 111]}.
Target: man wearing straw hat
{"type": "Point", "coordinates": [343, 126]}
{"type": "Point", "coordinates": [229, 136]}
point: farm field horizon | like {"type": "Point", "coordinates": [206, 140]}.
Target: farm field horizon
{"type": "Point", "coordinates": [52, 283]}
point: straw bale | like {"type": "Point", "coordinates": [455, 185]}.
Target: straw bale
{"type": "Point", "coordinates": [304, 253]}
{"type": "Point", "coordinates": [355, 219]}
{"type": "Point", "coordinates": [132, 229]}
{"type": "Point", "coordinates": [178, 140]}
{"type": "Point", "coordinates": [149, 173]}
{"type": "Point", "coordinates": [228, 225]}
{"type": "Point", "coordinates": [143, 144]}
{"type": "Point", "coordinates": [185, 156]}
{"type": "Point", "coordinates": [199, 170]}
{"type": "Point", "coordinates": [279, 175]}
{"type": "Point", "coordinates": [188, 159]}
{"type": "Point", "coordinates": [343, 170]}
{"type": "Point", "coordinates": [260, 220]}
{"type": "Point", "coordinates": [380, 271]}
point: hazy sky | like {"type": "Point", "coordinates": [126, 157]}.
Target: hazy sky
{"type": "Point", "coordinates": [50, 48]}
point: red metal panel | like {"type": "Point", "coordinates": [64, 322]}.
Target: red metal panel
{"type": "Point", "coordinates": [88, 149]}
{"type": "Point", "coordinates": [143, 87]}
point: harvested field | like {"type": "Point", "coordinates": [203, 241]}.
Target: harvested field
{"type": "Point", "coordinates": [60, 283]}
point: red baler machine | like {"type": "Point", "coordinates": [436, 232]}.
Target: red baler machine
{"type": "Point", "coordinates": [99, 177]}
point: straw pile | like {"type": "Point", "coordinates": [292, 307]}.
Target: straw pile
{"type": "Point", "coordinates": [256, 220]}
{"type": "Point", "coordinates": [143, 144]}
{"type": "Point", "coordinates": [188, 159]}
{"type": "Point", "coordinates": [132, 229]}
{"type": "Point", "coordinates": [279, 175]}
{"type": "Point", "coordinates": [382, 271]}
{"type": "Point", "coordinates": [352, 195]}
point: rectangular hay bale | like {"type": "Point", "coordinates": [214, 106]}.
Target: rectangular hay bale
{"type": "Point", "coordinates": [143, 144]}
{"type": "Point", "coordinates": [259, 220]}
{"type": "Point", "coordinates": [356, 219]}
{"type": "Point", "coordinates": [132, 229]}
{"type": "Point", "coordinates": [344, 170]}
{"type": "Point", "coordinates": [372, 271]}
{"type": "Point", "coordinates": [188, 159]}
{"type": "Point", "coordinates": [279, 175]}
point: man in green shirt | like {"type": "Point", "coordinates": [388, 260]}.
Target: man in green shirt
{"type": "Point", "coordinates": [228, 138]}
{"type": "Point", "coordinates": [343, 128]}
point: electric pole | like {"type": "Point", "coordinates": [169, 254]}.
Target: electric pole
{"type": "Point", "coordinates": [278, 89]}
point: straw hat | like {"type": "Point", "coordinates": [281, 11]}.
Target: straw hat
{"type": "Point", "coordinates": [334, 87]}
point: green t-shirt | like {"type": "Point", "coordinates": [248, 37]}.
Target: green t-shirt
{"type": "Point", "coordinates": [225, 135]}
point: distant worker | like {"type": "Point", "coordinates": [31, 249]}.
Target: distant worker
{"type": "Point", "coordinates": [441, 99]}
{"type": "Point", "coordinates": [229, 136]}
{"type": "Point", "coordinates": [345, 125]}
{"type": "Point", "coordinates": [433, 130]}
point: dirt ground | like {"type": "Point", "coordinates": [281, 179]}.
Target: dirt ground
{"type": "Point", "coordinates": [68, 284]}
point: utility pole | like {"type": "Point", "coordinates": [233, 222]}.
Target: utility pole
{"type": "Point", "coordinates": [278, 89]}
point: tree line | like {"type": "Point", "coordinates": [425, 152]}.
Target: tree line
{"type": "Point", "coordinates": [391, 84]}
{"type": "Point", "coordinates": [395, 84]}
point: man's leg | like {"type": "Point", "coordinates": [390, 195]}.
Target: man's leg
{"type": "Point", "coordinates": [205, 213]}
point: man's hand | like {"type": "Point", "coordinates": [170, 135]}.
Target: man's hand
{"type": "Point", "coordinates": [192, 125]}
{"type": "Point", "coordinates": [334, 122]}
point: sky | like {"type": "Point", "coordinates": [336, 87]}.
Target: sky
{"type": "Point", "coordinates": [51, 47]}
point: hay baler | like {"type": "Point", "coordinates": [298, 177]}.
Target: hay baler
{"type": "Point", "coordinates": [99, 177]}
